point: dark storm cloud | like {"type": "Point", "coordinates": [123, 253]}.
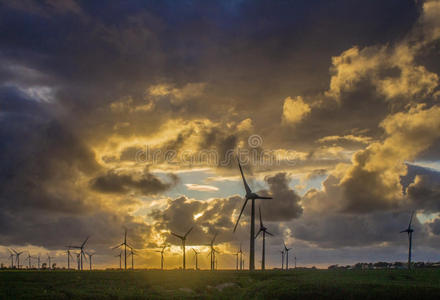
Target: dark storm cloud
{"type": "Point", "coordinates": [424, 192]}
{"type": "Point", "coordinates": [147, 183]}
{"type": "Point", "coordinates": [285, 204]}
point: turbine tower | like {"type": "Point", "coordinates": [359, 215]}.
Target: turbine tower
{"type": "Point", "coordinates": [264, 231]}
{"type": "Point", "coordinates": [250, 196]}
{"type": "Point", "coordinates": [161, 256]}
{"type": "Point", "coordinates": [282, 259]}
{"type": "Point", "coordinates": [241, 258]}
{"type": "Point", "coordinates": [81, 253]}
{"type": "Point", "coordinates": [69, 255]}
{"type": "Point", "coordinates": [90, 259]}
{"type": "Point", "coordinates": [124, 243]}
{"type": "Point", "coordinates": [29, 257]}
{"type": "Point", "coordinates": [236, 262]}
{"type": "Point", "coordinates": [195, 255]}
{"type": "Point", "coordinates": [120, 259]}
{"type": "Point", "coordinates": [410, 231]}
{"type": "Point", "coordinates": [17, 257]}
{"type": "Point", "coordinates": [11, 255]}
{"type": "Point", "coordinates": [49, 259]}
{"type": "Point", "coordinates": [287, 256]}
{"type": "Point", "coordinates": [132, 253]}
{"type": "Point", "coordinates": [212, 252]}
{"type": "Point", "coordinates": [183, 238]}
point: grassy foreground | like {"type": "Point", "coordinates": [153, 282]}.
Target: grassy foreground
{"type": "Point", "coordinates": [313, 284]}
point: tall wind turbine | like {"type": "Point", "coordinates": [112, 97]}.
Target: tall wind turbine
{"type": "Point", "coordinates": [120, 259]}
{"type": "Point", "coordinates": [11, 254]}
{"type": "Point", "coordinates": [90, 259]}
{"type": "Point", "coordinates": [82, 253]}
{"type": "Point", "coordinates": [17, 257]}
{"type": "Point", "coordinates": [69, 255]}
{"type": "Point", "coordinates": [183, 238]}
{"type": "Point", "coordinates": [410, 231]}
{"type": "Point", "coordinates": [212, 252]}
{"type": "Point", "coordinates": [282, 259]}
{"type": "Point", "coordinates": [264, 231]}
{"type": "Point", "coordinates": [250, 196]}
{"type": "Point", "coordinates": [124, 243]}
{"type": "Point", "coordinates": [132, 253]}
{"type": "Point", "coordinates": [287, 256]}
{"type": "Point", "coordinates": [161, 256]}
{"type": "Point", "coordinates": [49, 259]}
{"type": "Point", "coordinates": [195, 254]}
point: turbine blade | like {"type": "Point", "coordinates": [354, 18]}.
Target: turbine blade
{"type": "Point", "coordinates": [406, 230]}
{"type": "Point", "coordinates": [115, 247]}
{"type": "Point", "coordinates": [261, 197]}
{"type": "Point", "coordinates": [410, 220]}
{"type": "Point", "coordinates": [244, 205]}
{"type": "Point", "coordinates": [269, 233]}
{"type": "Point", "coordinates": [186, 234]}
{"type": "Point", "coordinates": [213, 239]}
{"type": "Point", "coordinates": [179, 236]}
{"type": "Point", "coordinates": [82, 245]}
{"type": "Point", "coordinates": [258, 233]}
{"type": "Point", "coordinates": [246, 186]}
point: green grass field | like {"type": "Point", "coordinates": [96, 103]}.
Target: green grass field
{"type": "Point", "coordinates": [300, 284]}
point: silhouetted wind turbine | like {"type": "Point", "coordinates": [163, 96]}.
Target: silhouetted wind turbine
{"type": "Point", "coordinates": [287, 256]}
{"type": "Point", "coordinates": [29, 257]}
{"type": "Point", "coordinates": [183, 238]}
{"type": "Point", "coordinates": [250, 196]}
{"type": "Point", "coordinates": [264, 231]}
{"type": "Point", "coordinates": [195, 254]}
{"type": "Point", "coordinates": [241, 258]}
{"type": "Point", "coordinates": [12, 258]}
{"type": "Point", "coordinates": [17, 257]}
{"type": "Point", "coordinates": [295, 261]}
{"type": "Point", "coordinates": [120, 259]}
{"type": "Point", "coordinates": [132, 253]}
{"type": "Point", "coordinates": [236, 262]}
{"type": "Point", "coordinates": [161, 256]}
{"type": "Point", "coordinates": [49, 259]}
{"type": "Point", "coordinates": [78, 260]}
{"type": "Point", "coordinates": [212, 252]}
{"type": "Point", "coordinates": [82, 253]}
{"type": "Point", "coordinates": [124, 243]}
{"type": "Point", "coordinates": [68, 257]}
{"type": "Point", "coordinates": [38, 259]}
{"type": "Point", "coordinates": [410, 231]}
{"type": "Point", "coordinates": [90, 259]}
{"type": "Point", "coordinates": [282, 259]}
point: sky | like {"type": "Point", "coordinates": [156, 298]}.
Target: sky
{"type": "Point", "coordinates": [131, 114]}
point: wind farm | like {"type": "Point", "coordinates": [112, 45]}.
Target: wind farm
{"type": "Point", "coordinates": [221, 149]}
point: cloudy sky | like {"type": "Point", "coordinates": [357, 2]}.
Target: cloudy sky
{"type": "Point", "coordinates": [131, 114]}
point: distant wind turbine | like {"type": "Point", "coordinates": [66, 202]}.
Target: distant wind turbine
{"type": "Point", "coordinates": [287, 256]}
{"type": "Point", "coordinates": [410, 231]}
{"type": "Point", "coordinates": [90, 259]}
{"type": "Point", "coordinates": [161, 256]}
{"type": "Point", "coordinates": [49, 259]}
{"type": "Point", "coordinates": [264, 231]}
{"type": "Point", "coordinates": [11, 255]}
{"type": "Point", "coordinates": [17, 257]}
{"type": "Point", "coordinates": [120, 259]}
{"type": "Point", "coordinates": [183, 239]}
{"type": "Point", "coordinates": [82, 253]}
{"type": "Point", "coordinates": [282, 259]}
{"type": "Point", "coordinates": [250, 196]}
{"type": "Point", "coordinates": [236, 262]}
{"type": "Point", "coordinates": [124, 243]}
{"type": "Point", "coordinates": [195, 255]}
{"type": "Point", "coordinates": [69, 255]}
{"type": "Point", "coordinates": [132, 253]}
{"type": "Point", "coordinates": [241, 258]}
{"type": "Point", "coordinates": [212, 252]}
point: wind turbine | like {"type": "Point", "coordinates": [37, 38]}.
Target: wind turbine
{"type": "Point", "coordinates": [120, 259]}
{"type": "Point", "coordinates": [17, 257]}
{"type": "Point", "coordinates": [78, 260]}
{"type": "Point", "coordinates": [132, 253]}
{"type": "Point", "coordinates": [49, 259]}
{"type": "Point", "coordinates": [38, 259]}
{"type": "Point", "coordinates": [287, 256]}
{"type": "Point", "coordinates": [250, 196]}
{"type": "Point", "coordinates": [12, 258]}
{"type": "Point", "coordinates": [264, 231]}
{"type": "Point", "coordinates": [183, 238]}
{"type": "Point", "coordinates": [295, 261]}
{"type": "Point", "coordinates": [69, 255]}
{"type": "Point", "coordinates": [236, 262]}
{"type": "Point", "coordinates": [212, 252]}
{"type": "Point", "coordinates": [161, 256]}
{"type": "Point", "coordinates": [81, 253]}
{"type": "Point", "coordinates": [195, 254]}
{"type": "Point", "coordinates": [241, 258]}
{"type": "Point", "coordinates": [410, 231]}
{"type": "Point", "coordinates": [282, 259]}
{"type": "Point", "coordinates": [90, 259]}
{"type": "Point", "coordinates": [29, 257]}
{"type": "Point", "coordinates": [124, 243]}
